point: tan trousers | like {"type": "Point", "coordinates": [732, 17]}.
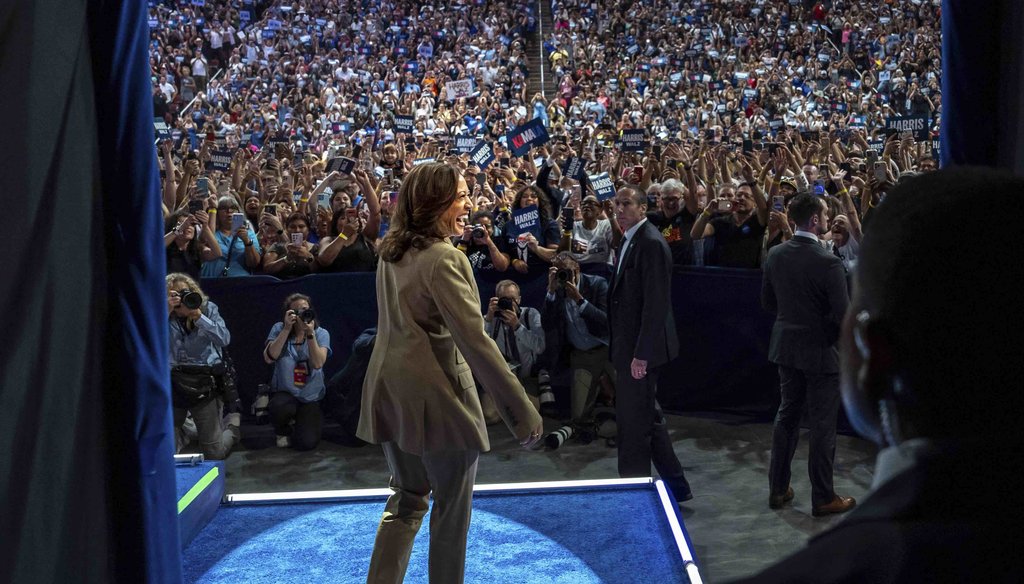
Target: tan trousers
{"type": "Point", "coordinates": [587, 367]}
{"type": "Point", "coordinates": [450, 476]}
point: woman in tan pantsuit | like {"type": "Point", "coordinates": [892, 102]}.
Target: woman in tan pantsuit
{"type": "Point", "coordinates": [419, 399]}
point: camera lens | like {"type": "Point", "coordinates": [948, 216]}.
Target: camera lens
{"type": "Point", "coordinates": [192, 300]}
{"type": "Point", "coordinates": [479, 233]}
{"type": "Point", "coordinates": [307, 315]}
{"type": "Point", "coordinates": [504, 304]}
{"type": "Point", "coordinates": [564, 275]}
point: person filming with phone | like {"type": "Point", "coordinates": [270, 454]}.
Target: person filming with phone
{"type": "Point", "coordinates": [296, 257]}
{"type": "Point", "coordinates": [736, 224]}
{"type": "Point", "coordinates": [240, 252]}
{"type": "Point", "coordinates": [297, 347]}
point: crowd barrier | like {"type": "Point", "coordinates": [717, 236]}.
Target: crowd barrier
{"type": "Point", "coordinates": [723, 332]}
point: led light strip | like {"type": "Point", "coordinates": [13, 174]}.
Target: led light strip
{"type": "Point", "coordinates": [354, 494]}
{"type": "Point", "coordinates": [671, 510]}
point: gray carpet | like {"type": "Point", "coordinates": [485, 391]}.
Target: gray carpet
{"type": "Point", "coordinates": [726, 461]}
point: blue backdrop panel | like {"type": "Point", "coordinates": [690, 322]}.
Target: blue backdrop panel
{"type": "Point", "coordinates": [723, 362]}
{"type": "Point", "coordinates": [134, 363]}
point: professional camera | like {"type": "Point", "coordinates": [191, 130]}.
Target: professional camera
{"type": "Point", "coordinates": [559, 436]}
{"type": "Point", "coordinates": [564, 275]}
{"type": "Point", "coordinates": [505, 304]}
{"type": "Point", "coordinates": [191, 300]}
{"type": "Point", "coordinates": [479, 232]}
{"type": "Point", "coordinates": [307, 315]}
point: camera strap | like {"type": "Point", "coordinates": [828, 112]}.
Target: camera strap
{"type": "Point", "coordinates": [227, 262]}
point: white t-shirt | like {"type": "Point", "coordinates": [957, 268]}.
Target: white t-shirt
{"type": "Point", "coordinates": [199, 67]}
{"type": "Point", "coordinates": [592, 246]}
{"type": "Point", "coordinates": [848, 252]}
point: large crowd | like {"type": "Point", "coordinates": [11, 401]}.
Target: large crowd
{"type": "Point", "coordinates": [286, 128]}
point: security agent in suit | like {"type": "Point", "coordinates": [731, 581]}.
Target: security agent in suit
{"type": "Point", "coordinates": [576, 324]}
{"type": "Point", "coordinates": [931, 372]}
{"type": "Point", "coordinates": [642, 339]}
{"type": "Point", "coordinates": [419, 397]}
{"type": "Point", "coordinates": [805, 286]}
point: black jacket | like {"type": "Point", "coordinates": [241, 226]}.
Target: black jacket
{"type": "Point", "coordinates": [594, 290]}
{"type": "Point", "coordinates": [640, 318]}
{"type": "Point", "coordinates": [805, 286]}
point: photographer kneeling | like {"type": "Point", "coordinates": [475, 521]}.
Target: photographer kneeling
{"type": "Point", "coordinates": [576, 319]}
{"type": "Point", "coordinates": [201, 380]}
{"type": "Point", "coordinates": [298, 349]}
{"type": "Point", "coordinates": [520, 338]}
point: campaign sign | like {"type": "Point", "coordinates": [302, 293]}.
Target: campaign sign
{"type": "Point", "coordinates": [465, 144]}
{"type": "Point", "coordinates": [267, 33]}
{"type": "Point", "coordinates": [459, 89]}
{"type": "Point", "coordinates": [530, 134]}
{"type": "Point", "coordinates": [363, 100]}
{"type": "Point", "coordinates": [633, 140]}
{"type": "Point", "coordinates": [525, 220]}
{"type": "Point", "coordinates": [482, 155]}
{"type": "Point", "coordinates": [602, 185]}
{"type": "Point", "coordinates": [219, 160]}
{"type": "Point", "coordinates": [877, 145]}
{"type": "Point", "coordinates": [917, 126]}
{"type": "Point", "coordinates": [403, 124]}
{"type": "Point", "coordinates": [420, 161]}
{"type": "Point", "coordinates": [245, 15]}
{"type": "Point", "coordinates": [341, 164]}
{"type": "Point", "coordinates": [274, 24]}
{"type": "Point", "coordinates": [574, 168]}
{"type": "Point", "coordinates": [163, 132]}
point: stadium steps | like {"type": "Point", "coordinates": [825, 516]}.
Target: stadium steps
{"type": "Point", "coordinates": [534, 61]}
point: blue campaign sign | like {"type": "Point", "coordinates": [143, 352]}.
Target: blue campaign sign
{"type": "Point", "coordinates": [465, 144]}
{"type": "Point", "coordinates": [245, 15]}
{"type": "Point", "coordinates": [362, 100]}
{"type": "Point", "coordinates": [602, 185]}
{"type": "Point", "coordinates": [482, 155]}
{"type": "Point", "coordinates": [341, 164]}
{"type": "Point", "coordinates": [403, 124]}
{"type": "Point", "coordinates": [274, 24]}
{"type": "Point", "coordinates": [574, 168]}
{"type": "Point", "coordinates": [525, 220]}
{"type": "Point", "coordinates": [219, 160]}
{"type": "Point", "coordinates": [530, 134]}
{"type": "Point", "coordinates": [163, 132]}
{"type": "Point", "coordinates": [633, 140]}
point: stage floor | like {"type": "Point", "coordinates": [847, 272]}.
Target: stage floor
{"type": "Point", "coordinates": [572, 532]}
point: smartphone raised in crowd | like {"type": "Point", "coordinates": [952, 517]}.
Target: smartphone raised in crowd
{"type": "Point", "coordinates": [778, 203]}
{"type": "Point", "coordinates": [196, 205]}
{"type": "Point", "coordinates": [237, 221]}
{"type": "Point", "coordinates": [880, 173]}
{"type": "Point", "coordinates": [202, 187]}
{"type": "Point", "coordinates": [270, 209]}
{"type": "Point", "coordinates": [481, 179]}
{"type": "Point", "coordinates": [296, 239]}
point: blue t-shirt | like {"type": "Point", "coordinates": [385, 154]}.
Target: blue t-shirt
{"type": "Point", "coordinates": [215, 268]}
{"type": "Point", "coordinates": [295, 357]}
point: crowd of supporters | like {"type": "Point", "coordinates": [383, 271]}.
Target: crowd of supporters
{"type": "Point", "coordinates": [284, 129]}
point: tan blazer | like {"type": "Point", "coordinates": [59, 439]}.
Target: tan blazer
{"type": "Point", "coordinates": [419, 389]}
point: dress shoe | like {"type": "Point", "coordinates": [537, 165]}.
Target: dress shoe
{"type": "Point", "coordinates": [777, 501]}
{"type": "Point", "coordinates": [837, 505]}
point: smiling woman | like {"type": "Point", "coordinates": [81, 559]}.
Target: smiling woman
{"type": "Point", "coordinates": [419, 397]}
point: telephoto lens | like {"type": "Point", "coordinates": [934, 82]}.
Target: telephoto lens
{"type": "Point", "coordinates": [504, 304]}
{"type": "Point", "coordinates": [192, 300]}
{"type": "Point", "coordinates": [558, 437]}
{"type": "Point", "coordinates": [307, 315]}
{"type": "Point", "coordinates": [564, 275]}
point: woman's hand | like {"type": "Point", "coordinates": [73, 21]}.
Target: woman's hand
{"type": "Point", "coordinates": [299, 251]}
{"type": "Point", "coordinates": [173, 301]}
{"type": "Point", "coordinates": [535, 434]}
{"type": "Point", "coordinates": [290, 318]}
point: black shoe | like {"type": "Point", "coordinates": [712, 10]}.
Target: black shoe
{"type": "Point", "coordinates": [680, 489]}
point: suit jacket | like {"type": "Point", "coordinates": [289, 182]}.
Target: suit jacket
{"type": "Point", "coordinates": [805, 286]}
{"type": "Point", "coordinates": [594, 290]}
{"type": "Point", "coordinates": [419, 390]}
{"type": "Point", "coordinates": [954, 517]}
{"type": "Point", "coordinates": [640, 318]}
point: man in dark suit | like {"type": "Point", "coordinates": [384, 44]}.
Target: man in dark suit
{"type": "Point", "coordinates": [576, 325]}
{"type": "Point", "coordinates": [806, 287]}
{"type": "Point", "coordinates": [642, 338]}
{"type": "Point", "coordinates": [930, 353]}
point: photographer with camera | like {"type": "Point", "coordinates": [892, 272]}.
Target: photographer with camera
{"type": "Point", "coordinates": [518, 333]}
{"type": "Point", "coordinates": [575, 312]}
{"type": "Point", "coordinates": [589, 239]}
{"type": "Point", "coordinates": [298, 349]}
{"type": "Point", "coordinates": [479, 246]}
{"type": "Point", "coordinates": [201, 380]}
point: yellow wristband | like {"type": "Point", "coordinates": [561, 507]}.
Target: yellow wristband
{"type": "Point", "coordinates": [211, 211]}
{"type": "Point", "coordinates": [343, 236]}
{"type": "Point", "coordinates": [306, 200]}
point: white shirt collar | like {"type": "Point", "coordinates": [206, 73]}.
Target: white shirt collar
{"type": "Point", "coordinates": [632, 230]}
{"type": "Point", "coordinates": [807, 234]}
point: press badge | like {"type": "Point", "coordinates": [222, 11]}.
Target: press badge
{"type": "Point", "coordinates": [301, 374]}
